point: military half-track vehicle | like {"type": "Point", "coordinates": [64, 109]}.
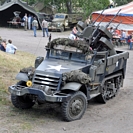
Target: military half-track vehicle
{"type": "Point", "coordinates": [72, 73]}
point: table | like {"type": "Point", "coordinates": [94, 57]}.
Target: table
{"type": "Point", "coordinates": [12, 23]}
{"type": "Point", "coordinates": [116, 40]}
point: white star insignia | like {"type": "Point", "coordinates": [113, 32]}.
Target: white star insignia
{"type": "Point", "coordinates": [58, 68]}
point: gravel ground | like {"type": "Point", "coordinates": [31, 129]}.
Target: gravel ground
{"type": "Point", "coordinates": [116, 116]}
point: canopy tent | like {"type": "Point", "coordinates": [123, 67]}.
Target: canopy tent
{"type": "Point", "coordinates": [7, 11]}
{"type": "Point", "coordinates": [125, 16]}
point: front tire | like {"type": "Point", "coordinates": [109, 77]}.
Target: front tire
{"type": "Point", "coordinates": [75, 107]}
{"type": "Point", "coordinates": [62, 29]}
{"type": "Point", "coordinates": [23, 102]}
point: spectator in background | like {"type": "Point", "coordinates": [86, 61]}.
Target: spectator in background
{"type": "Point", "coordinates": [25, 19]}
{"type": "Point", "coordinates": [29, 22]}
{"type": "Point", "coordinates": [74, 30]}
{"type": "Point", "coordinates": [126, 38]}
{"type": "Point", "coordinates": [72, 37]}
{"type": "Point", "coordinates": [123, 36]}
{"type": "Point", "coordinates": [32, 18]}
{"type": "Point", "coordinates": [35, 26]}
{"type": "Point", "coordinates": [130, 41]}
{"type": "Point", "coordinates": [87, 21]}
{"type": "Point", "coordinates": [10, 48]}
{"type": "Point", "coordinates": [3, 45]}
{"type": "Point", "coordinates": [45, 27]}
{"type": "Point", "coordinates": [111, 30]}
{"type": "Point", "coordinates": [0, 39]}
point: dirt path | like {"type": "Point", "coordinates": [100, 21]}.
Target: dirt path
{"type": "Point", "coordinates": [116, 116]}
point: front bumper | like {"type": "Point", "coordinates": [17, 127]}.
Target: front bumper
{"type": "Point", "coordinates": [54, 27]}
{"type": "Point", "coordinates": [20, 91]}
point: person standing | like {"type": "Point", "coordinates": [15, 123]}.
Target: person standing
{"type": "Point", "coordinates": [29, 22]}
{"type": "Point", "coordinates": [32, 18]}
{"type": "Point", "coordinates": [25, 18]}
{"type": "Point", "coordinates": [45, 27]}
{"type": "Point", "coordinates": [87, 21]}
{"type": "Point", "coordinates": [130, 41]}
{"type": "Point", "coordinates": [35, 26]}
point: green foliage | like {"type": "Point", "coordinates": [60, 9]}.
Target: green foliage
{"type": "Point", "coordinates": [85, 6]}
{"type": "Point", "coordinates": [122, 2]}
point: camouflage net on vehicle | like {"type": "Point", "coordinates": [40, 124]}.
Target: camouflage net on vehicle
{"type": "Point", "coordinates": [27, 70]}
{"type": "Point", "coordinates": [79, 44]}
{"type": "Point", "coordinates": [77, 76]}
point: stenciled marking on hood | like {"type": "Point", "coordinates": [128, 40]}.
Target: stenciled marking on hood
{"type": "Point", "coordinates": [58, 68]}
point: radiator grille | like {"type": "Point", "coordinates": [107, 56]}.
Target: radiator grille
{"type": "Point", "coordinates": [46, 80]}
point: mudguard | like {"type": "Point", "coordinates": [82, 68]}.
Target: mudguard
{"type": "Point", "coordinates": [22, 76]}
{"type": "Point", "coordinates": [72, 86]}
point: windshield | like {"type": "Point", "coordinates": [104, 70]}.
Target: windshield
{"type": "Point", "coordinates": [73, 56]}
{"type": "Point", "coordinates": [59, 16]}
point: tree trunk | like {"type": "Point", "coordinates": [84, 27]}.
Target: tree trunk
{"type": "Point", "coordinates": [69, 6]}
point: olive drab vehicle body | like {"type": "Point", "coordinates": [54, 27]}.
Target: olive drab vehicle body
{"type": "Point", "coordinates": [72, 73]}
{"type": "Point", "coordinates": [61, 21]}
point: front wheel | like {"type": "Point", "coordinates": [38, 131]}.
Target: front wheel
{"type": "Point", "coordinates": [23, 102]}
{"type": "Point", "coordinates": [62, 29]}
{"type": "Point", "coordinates": [75, 107]}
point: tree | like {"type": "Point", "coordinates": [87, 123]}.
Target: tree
{"type": "Point", "coordinates": [69, 6]}
{"type": "Point", "coordinates": [121, 2]}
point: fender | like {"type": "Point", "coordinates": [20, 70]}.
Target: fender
{"type": "Point", "coordinates": [22, 76]}
{"type": "Point", "coordinates": [72, 86]}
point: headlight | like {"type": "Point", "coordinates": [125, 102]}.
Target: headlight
{"type": "Point", "coordinates": [47, 90]}
{"type": "Point", "coordinates": [29, 83]}
{"type": "Point", "coordinates": [59, 24]}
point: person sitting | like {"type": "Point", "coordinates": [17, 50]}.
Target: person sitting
{"type": "Point", "coordinates": [0, 39]}
{"type": "Point", "coordinates": [72, 37]}
{"type": "Point", "coordinates": [111, 30]}
{"type": "Point", "coordinates": [10, 48]}
{"type": "Point", "coordinates": [3, 45]}
{"type": "Point", "coordinates": [74, 30]}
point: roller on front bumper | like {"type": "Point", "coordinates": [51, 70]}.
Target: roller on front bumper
{"type": "Point", "coordinates": [58, 97]}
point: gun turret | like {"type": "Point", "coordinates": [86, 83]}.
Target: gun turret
{"type": "Point", "coordinates": [87, 31]}
{"type": "Point", "coordinates": [103, 30]}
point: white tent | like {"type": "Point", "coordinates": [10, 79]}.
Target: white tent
{"type": "Point", "coordinates": [125, 16]}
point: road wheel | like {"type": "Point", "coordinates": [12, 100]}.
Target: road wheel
{"type": "Point", "coordinates": [102, 98]}
{"type": "Point", "coordinates": [23, 102]}
{"type": "Point", "coordinates": [62, 29]}
{"type": "Point", "coordinates": [75, 107]}
{"type": "Point", "coordinates": [119, 82]}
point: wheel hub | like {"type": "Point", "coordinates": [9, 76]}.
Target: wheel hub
{"type": "Point", "coordinates": [76, 107]}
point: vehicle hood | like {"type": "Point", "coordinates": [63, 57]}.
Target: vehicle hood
{"type": "Point", "coordinates": [58, 20]}
{"type": "Point", "coordinates": [59, 66]}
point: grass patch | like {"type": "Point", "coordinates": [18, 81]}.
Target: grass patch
{"type": "Point", "coordinates": [10, 65]}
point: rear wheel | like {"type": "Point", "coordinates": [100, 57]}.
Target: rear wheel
{"type": "Point", "coordinates": [23, 102]}
{"type": "Point", "coordinates": [75, 107]}
{"type": "Point", "coordinates": [119, 82]}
